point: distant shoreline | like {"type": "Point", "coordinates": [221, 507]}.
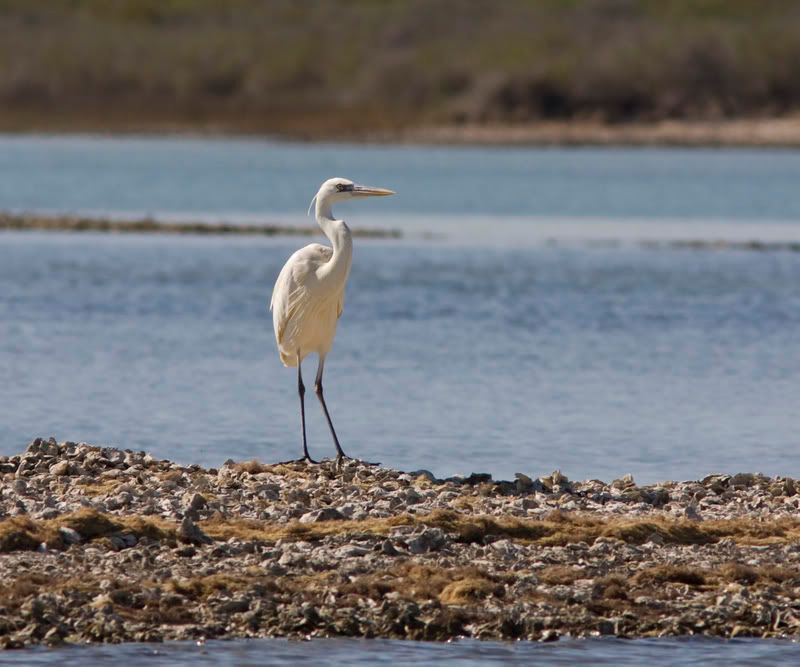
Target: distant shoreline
{"type": "Point", "coordinates": [781, 132]}
{"type": "Point", "coordinates": [34, 222]}
{"type": "Point", "coordinates": [753, 133]}
{"type": "Point", "coordinates": [66, 223]}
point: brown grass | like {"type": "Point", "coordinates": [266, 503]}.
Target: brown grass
{"type": "Point", "coordinates": [468, 590]}
{"type": "Point", "coordinates": [561, 574]}
{"type": "Point", "coordinates": [420, 582]}
{"type": "Point", "coordinates": [611, 587]}
{"type": "Point", "coordinates": [99, 488]}
{"type": "Point", "coordinates": [199, 588]}
{"type": "Point", "coordinates": [660, 574]}
{"type": "Point", "coordinates": [22, 533]}
{"type": "Point", "coordinates": [19, 533]}
{"type": "Point", "coordinates": [557, 530]}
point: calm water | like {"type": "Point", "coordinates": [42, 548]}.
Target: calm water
{"type": "Point", "coordinates": [482, 349]}
{"type": "Point", "coordinates": [245, 178]}
{"type": "Point", "coordinates": [347, 653]}
{"type": "Point", "coordinates": [495, 352]}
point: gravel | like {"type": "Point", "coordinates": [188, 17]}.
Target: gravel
{"type": "Point", "coordinates": [107, 545]}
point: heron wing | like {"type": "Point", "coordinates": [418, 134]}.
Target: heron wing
{"type": "Point", "coordinates": [290, 296]}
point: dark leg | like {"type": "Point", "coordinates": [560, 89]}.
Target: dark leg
{"type": "Point", "coordinates": [318, 389]}
{"type": "Point", "coordinates": [301, 389]}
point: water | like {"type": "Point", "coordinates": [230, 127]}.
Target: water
{"type": "Point", "coordinates": [246, 178]}
{"type": "Point", "coordinates": [483, 348]}
{"type": "Point", "coordinates": [353, 652]}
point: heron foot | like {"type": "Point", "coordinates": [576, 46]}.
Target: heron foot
{"type": "Point", "coordinates": [302, 459]}
{"type": "Point", "coordinates": [341, 458]}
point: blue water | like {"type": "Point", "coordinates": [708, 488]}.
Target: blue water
{"type": "Point", "coordinates": [473, 344]}
{"type": "Point", "coordinates": [353, 652]}
{"type": "Point", "coordinates": [235, 178]}
{"type": "Point", "coordinates": [497, 353]}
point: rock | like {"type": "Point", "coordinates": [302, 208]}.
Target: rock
{"type": "Point", "coordinates": [430, 539]}
{"type": "Point", "coordinates": [190, 532]}
{"type": "Point", "coordinates": [657, 497]}
{"type": "Point", "coordinates": [625, 482]}
{"type": "Point", "coordinates": [196, 502]}
{"type": "Point", "coordinates": [69, 535]}
{"type": "Point", "coordinates": [236, 606]}
{"type": "Point", "coordinates": [388, 549]}
{"type": "Point", "coordinates": [655, 539]}
{"type": "Point", "coordinates": [525, 484]}
{"type": "Point", "coordinates": [120, 500]}
{"type": "Point", "coordinates": [741, 479]}
{"type": "Point", "coordinates": [325, 514]}
{"type": "Point", "coordinates": [427, 475]}
{"type": "Point", "coordinates": [351, 551]}
{"type": "Point", "coordinates": [146, 573]}
{"type": "Point", "coordinates": [691, 512]}
{"type": "Point", "coordinates": [477, 478]}
{"type": "Point", "coordinates": [60, 469]}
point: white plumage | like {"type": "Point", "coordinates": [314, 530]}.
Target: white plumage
{"type": "Point", "coordinates": [308, 297]}
{"type": "Point", "coordinates": [304, 307]}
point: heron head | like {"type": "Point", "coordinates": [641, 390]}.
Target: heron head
{"type": "Point", "coordinates": [339, 189]}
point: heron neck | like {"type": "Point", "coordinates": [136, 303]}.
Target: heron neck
{"type": "Point", "coordinates": [341, 239]}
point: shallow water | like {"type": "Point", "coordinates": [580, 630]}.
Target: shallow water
{"type": "Point", "coordinates": [347, 652]}
{"type": "Point", "coordinates": [248, 178]}
{"type": "Point", "coordinates": [597, 361]}
{"type": "Point", "coordinates": [483, 349]}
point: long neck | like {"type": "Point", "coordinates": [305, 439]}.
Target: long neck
{"type": "Point", "coordinates": [341, 239]}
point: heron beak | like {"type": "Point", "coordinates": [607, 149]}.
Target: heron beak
{"type": "Point", "coordinates": [366, 191]}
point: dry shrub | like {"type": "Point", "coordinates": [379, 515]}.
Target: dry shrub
{"type": "Point", "coordinates": [254, 467]}
{"type": "Point", "coordinates": [101, 488]}
{"type": "Point", "coordinates": [90, 523]}
{"type": "Point", "coordinates": [612, 587]}
{"type": "Point", "coordinates": [738, 572]}
{"type": "Point", "coordinates": [779, 574]}
{"type": "Point", "coordinates": [19, 533]}
{"type": "Point", "coordinates": [421, 582]}
{"type": "Point", "coordinates": [561, 574]}
{"type": "Point", "coordinates": [468, 590]}
{"type": "Point", "coordinates": [659, 574]}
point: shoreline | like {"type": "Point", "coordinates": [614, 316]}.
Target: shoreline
{"type": "Point", "coordinates": [100, 544]}
{"type": "Point", "coordinates": [78, 224]}
{"type": "Point", "coordinates": [778, 132]}
{"type": "Point", "coordinates": [24, 222]}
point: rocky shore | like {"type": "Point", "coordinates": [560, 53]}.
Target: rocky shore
{"type": "Point", "coordinates": [105, 545]}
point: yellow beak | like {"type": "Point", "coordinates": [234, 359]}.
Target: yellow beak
{"type": "Point", "coordinates": [367, 191]}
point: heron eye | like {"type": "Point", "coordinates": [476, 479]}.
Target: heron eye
{"type": "Point", "coordinates": [341, 187]}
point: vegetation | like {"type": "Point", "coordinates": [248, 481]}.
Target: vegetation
{"type": "Point", "coordinates": [559, 529]}
{"type": "Point", "coordinates": [327, 68]}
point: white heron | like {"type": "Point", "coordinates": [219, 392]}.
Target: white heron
{"type": "Point", "coordinates": [308, 297]}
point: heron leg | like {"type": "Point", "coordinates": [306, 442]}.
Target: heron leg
{"type": "Point", "coordinates": [301, 390]}
{"type": "Point", "coordinates": [318, 390]}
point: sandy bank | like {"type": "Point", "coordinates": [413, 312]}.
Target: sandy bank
{"type": "Point", "coordinates": [101, 544]}
{"type": "Point", "coordinates": [743, 132]}
{"type": "Point", "coordinates": [780, 132]}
